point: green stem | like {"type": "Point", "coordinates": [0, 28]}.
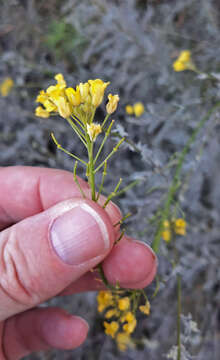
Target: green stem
{"type": "Point", "coordinates": [66, 151]}
{"type": "Point", "coordinates": [122, 219]}
{"type": "Point", "coordinates": [103, 141]}
{"type": "Point", "coordinates": [128, 187]}
{"type": "Point", "coordinates": [77, 130]}
{"type": "Point", "coordinates": [113, 194]}
{"type": "Point", "coordinates": [111, 153]}
{"type": "Point", "coordinates": [102, 182]}
{"type": "Point", "coordinates": [103, 277]}
{"type": "Point", "coordinates": [175, 183]}
{"type": "Point", "coordinates": [91, 168]}
{"type": "Point", "coordinates": [77, 181]}
{"type": "Point", "coordinates": [105, 120]}
{"type": "Point", "coordinates": [178, 317]}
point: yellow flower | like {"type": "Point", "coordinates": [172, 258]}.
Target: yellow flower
{"type": "Point", "coordinates": [138, 109]}
{"type": "Point", "coordinates": [180, 226]}
{"type": "Point", "coordinates": [97, 89]}
{"type": "Point", "coordinates": [110, 313]}
{"type": "Point", "coordinates": [130, 326]}
{"type": "Point", "coordinates": [55, 91]}
{"type": "Point", "coordinates": [129, 109]}
{"type": "Point", "coordinates": [60, 80]}
{"type": "Point", "coordinates": [93, 131]}
{"type": "Point", "coordinates": [166, 235]}
{"type": "Point", "coordinates": [6, 86]}
{"type": "Point", "coordinates": [183, 62]}
{"type": "Point", "coordinates": [124, 303]}
{"type": "Point", "coordinates": [39, 111]}
{"type": "Point", "coordinates": [50, 107]}
{"type": "Point", "coordinates": [129, 317]}
{"type": "Point", "coordinates": [166, 224]}
{"type": "Point", "coordinates": [84, 91]}
{"type": "Point", "coordinates": [130, 320]}
{"type": "Point", "coordinates": [104, 300]}
{"type": "Point", "coordinates": [63, 107]}
{"type": "Point", "coordinates": [111, 328]}
{"type": "Point", "coordinates": [112, 103]}
{"type": "Point", "coordinates": [179, 66]}
{"type": "Point", "coordinates": [42, 97]}
{"type": "Point", "coordinates": [73, 96]}
{"type": "Point", "coordinates": [123, 340]}
{"type": "Point", "coordinates": [145, 308]}
{"type": "Point", "coordinates": [185, 56]}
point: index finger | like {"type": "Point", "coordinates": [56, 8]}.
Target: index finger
{"type": "Point", "coordinates": [26, 191]}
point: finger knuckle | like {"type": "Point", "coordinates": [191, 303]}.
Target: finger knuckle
{"type": "Point", "coordinates": [15, 280]}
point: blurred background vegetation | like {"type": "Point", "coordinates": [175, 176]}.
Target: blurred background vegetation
{"type": "Point", "coordinates": [133, 44]}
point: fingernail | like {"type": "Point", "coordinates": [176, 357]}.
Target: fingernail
{"type": "Point", "coordinates": [79, 235]}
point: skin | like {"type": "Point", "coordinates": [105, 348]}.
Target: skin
{"type": "Point", "coordinates": [28, 198]}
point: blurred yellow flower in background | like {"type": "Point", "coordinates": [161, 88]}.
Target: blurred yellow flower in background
{"type": "Point", "coordinates": [6, 86]}
{"type": "Point", "coordinates": [123, 340]}
{"type": "Point", "coordinates": [180, 227]}
{"type": "Point", "coordinates": [166, 233]}
{"type": "Point", "coordinates": [145, 309]}
{"type": "Point", "coordinates": [124, 303]}
{"type": "Point", "coordinates": [138, 109]}
{"type": "Point", "coordinates": [129, 109]}
{"type": "Point", "coordinates": [111, 328]}
{"type": "Point", "coordinates": [184, 62]}
{"type": "Point", "coordinates": [104, 299]}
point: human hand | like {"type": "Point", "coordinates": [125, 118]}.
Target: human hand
{"type": "Point", "coordinates": [50, 239]}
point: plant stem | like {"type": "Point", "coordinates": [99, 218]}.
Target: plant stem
{"type": "Point", "coordinates": [178, 317]}
{"type": "Point", "coordinates": [66, 151]}
{"type": "Point", "coordinates": [104, 173]}
{"type": "Point", "coordinates": [91, 169]}
{"type": "Point", "coordinates": [77, 130]}
{"type": "Point", "coordinates": [111, 153]}
{"type": "Point", "coordinates": [103, 141]}
{"type": "Point", "coordinates": [77, 181]}
{"type": "Point", "coordinates": [175, 183]}
{"type": "Point", "coordinates": [103, 277]}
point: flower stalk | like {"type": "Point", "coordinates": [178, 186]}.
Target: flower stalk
{"type": "Point", "coordinates": [78, 107]}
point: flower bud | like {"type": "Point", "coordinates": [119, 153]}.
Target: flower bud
{"type": "Point", "coordinates": [112, 103]}
{"type": "Point", "coordinates": [93, 131]}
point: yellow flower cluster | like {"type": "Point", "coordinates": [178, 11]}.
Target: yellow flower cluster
{"type": "Point", "coordinates": [177, 226]}
{"type": "Point", "coordinates": [124, 321]}
{"type": "Point", "coordinates": [67, 101]}
{"type": "Point", "coordinates": [79, 103]}
{"type": "Point", "coordinates": [137, 109]}
{"type": "Point", "coordinates": [183, 62]}
{"type": "Point", "coordinates": [6, 86]}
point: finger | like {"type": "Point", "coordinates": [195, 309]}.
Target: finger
{"type": "Point", "coordinates": [43, 254]}
{"type": "Point", "coordinates": [42, 329]}
{"type": "Point", "coordinates": [26, 191]}
{"type": "Point", "coordinates": [130, 263]}
{"type": "Point", "coordinates": [121, 266]}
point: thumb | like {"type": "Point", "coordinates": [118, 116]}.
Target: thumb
{"type": "Point", "coordinates": [43, 254]}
